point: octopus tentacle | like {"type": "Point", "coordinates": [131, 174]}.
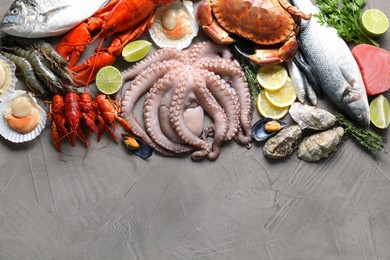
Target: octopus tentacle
{"type": "Point", "coordinates": [227, 98]}
{"type": "Point", "coordinates": [233, 72]}
{"type": "Point", "coordinates": [206, 50]}
{"type": "Point", "coordinates": [211, 106]}
{"type": "Point", "coordinates": [138, 87]}
{"type": "Point", "coordinates": [151, 114]}
{"type": "Point", "coordinates": [159, 55]}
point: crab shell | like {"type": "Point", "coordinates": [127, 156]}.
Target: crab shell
{"type": "Point", "coordinates": [264, 22]}
{"type": "Point", "coordinates": [26, 127]}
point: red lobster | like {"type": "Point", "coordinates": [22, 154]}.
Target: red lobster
{"type": "Point", "coordinates": [128, 18]}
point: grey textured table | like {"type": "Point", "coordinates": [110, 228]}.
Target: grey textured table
{"type": "Point", "coordinates": [113, 205]}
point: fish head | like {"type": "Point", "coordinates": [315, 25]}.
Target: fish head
{"type": "Point", "coordinates": [19, 19]}
{"type": "Point", "coordinates": [356, 105]}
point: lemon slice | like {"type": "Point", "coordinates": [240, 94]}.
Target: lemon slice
{"type": "Point", "coordinates": [380, 112]}
{"type": "Point", "coordinates": [272, 77]}
{"type": "Point", "coordinates": [108, 80]}
{"type": "Point", "coordinates": [136, 50]}
{"type": "Point", "coordinates": [266, 109]}
{"type": "Point", "coordinates": [282, 97]}
{"type": "Point", "coordinates": [374, 22]}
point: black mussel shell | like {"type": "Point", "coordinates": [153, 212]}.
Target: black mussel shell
{"type": "Point", "coordinates": [144, 151]}
{"type": "Point", "coordinates": [259, 133]}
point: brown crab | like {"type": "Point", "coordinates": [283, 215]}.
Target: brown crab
{"type": "Point", "coordinates": [272, 23]}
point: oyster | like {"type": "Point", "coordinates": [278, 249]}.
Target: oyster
{"type": "Point", "coordinates": [7, 78]}
{"type": "Point", "coordinates": [266, 127]}
{"type": "Point", "coordinates": [175, 25]}
{"type": "Point", "coordinates": [311, 117]}
{"type": "Point", "coordinates": [320, 145]}
{"type": "Point", "coordinates": [284, 143]}
{"type": "Point", "coordinates": [22, 119]}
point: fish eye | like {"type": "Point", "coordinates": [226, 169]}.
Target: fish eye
{"type": "Point", "coordinates": [14, 11]}
{"type": "Point", "coordinates": [359, 114]}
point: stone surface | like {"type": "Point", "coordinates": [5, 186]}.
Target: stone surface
{"type": "Point", "coordinates": [105, 203]}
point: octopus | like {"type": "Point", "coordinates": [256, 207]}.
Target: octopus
{"type": "Point", "coordinates": [182, 86]}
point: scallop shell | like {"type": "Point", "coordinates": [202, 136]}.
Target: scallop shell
{"type": "Point", "coordinates": [10, 134]}
{"type": "Point", "coordinates": [8, 80]}
{"type": "Point", "coordinates": [157, 34]}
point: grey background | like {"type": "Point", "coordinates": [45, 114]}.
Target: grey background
{"type": "Point", "coordinates": [105, 203]}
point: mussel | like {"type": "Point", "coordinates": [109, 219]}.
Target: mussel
{"type": "Point", "coordinates": [266, 127]}
{"type": "Point", "coordinates": [137, 146]}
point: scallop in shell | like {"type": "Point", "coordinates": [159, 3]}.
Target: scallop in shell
{"type": "Point", "coordinates": [22, 119]}
{"type": "Point", "coordinates": [175, 25]}
{"type": "Point", "coordinates": [7, 78]}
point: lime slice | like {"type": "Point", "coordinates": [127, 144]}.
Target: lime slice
{"type": "Point", "coordinates": [266, 109]}
{"type": "Point", "coordinates": [374, 22]}
{"type": "Point", "coordinates": [136, 50]}
{"type": "Point", "coordinates": [272, 77]}
{"type": "Point", "coordinates": [282, 97]}
{"type": "Point", "coordinates": [108, 80]}
{"type": "Point", "coordinates": [380, 112]}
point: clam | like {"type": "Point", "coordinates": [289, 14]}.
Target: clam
{"type": "Point", "coordinates": [266, 127]}
{"type": "Point", "coordinates": [22, 119]}
{"type": "Point", "coordinates": [7, 78]}
{"type": "Point", "coordinates": [175, 25]}
{"type": "Point", "coordinates": [137, 146]}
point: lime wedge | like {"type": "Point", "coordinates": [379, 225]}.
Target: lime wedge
{"type": "Point", "coordinates": [374, 22]}
{"type": "Point", "coordinates": [136, 50]}
{"type": "Point", "coordinates": [272, 77]}
{"type": "Point", "coordinates": [108, 80]}
{"type": "Point", "coordinates": [380, 112]}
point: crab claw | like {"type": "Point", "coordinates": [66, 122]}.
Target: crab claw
{"type": "Point", "coordinates": [273, 56]}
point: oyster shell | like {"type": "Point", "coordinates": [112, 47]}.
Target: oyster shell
{"type": "Point", "coordinates": [266, 127]}
{"type": "Point", "coordinates": [320, 145]}
{"type": "Point", "coordinates": [7, 78]}
{"type": "Point", "coordinates": [311, 117]}
{"type": "Point", "coordinates": [175, 25]}
{"type": "Point", "coordinates": [284, 143]}
{"type": "Point", "coordinates": [22, 119]}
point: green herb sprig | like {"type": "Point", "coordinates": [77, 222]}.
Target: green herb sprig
{"type": "Point", "coordinates": [250, 75]}
{"type": "Point", "coordinates": [344, 19]}
{"type": "Point", "coordinates": [368, 139]}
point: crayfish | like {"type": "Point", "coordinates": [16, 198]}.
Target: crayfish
{"type": "Point", "coordinates": [68, 114]}
{"type": "Point", "coordinates": [127, 19]}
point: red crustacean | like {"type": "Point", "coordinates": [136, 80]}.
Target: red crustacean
{"type": "Point", "coordinates": [271, 24]}
{"type": "Point", "coordinates": [57, 118]}
{"type": "Point", "coordinates": [110, 110]}
{"type": "Point", "coordinates": [70, 115]}
{"type": "Point", "coordinates": [127, 19]}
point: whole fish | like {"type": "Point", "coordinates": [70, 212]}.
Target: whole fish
{"type": "Point", "coordinates": [337, 71]}
{"type": "Point", "coordinates": [43, 18]}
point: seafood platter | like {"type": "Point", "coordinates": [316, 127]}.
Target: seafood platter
{"type": "Point", "coordinates": [202, 75]}
{"type": "Point", "coordinates": [205, 129]}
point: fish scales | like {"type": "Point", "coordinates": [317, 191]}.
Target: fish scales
{"type": "Point", "coordinates": [44, 18]}
{"type": "Point", "coordinates": [336, 69]}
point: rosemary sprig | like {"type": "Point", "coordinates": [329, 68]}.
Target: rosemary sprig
{"type": "Point", "coordinates": [250, 75]}
{"type": "Point", "coordinates": [368, 139]}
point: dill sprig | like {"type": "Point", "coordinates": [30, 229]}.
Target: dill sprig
{"type": "Point", "coordinates": [250, 75]}
{"type": "Point", "coordinates": [344, 19]}
{"type": "Point", "coordinates": [370, 140]}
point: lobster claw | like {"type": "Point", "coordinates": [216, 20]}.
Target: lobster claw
{"type": "Point", "coordinates": [86, 72]}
